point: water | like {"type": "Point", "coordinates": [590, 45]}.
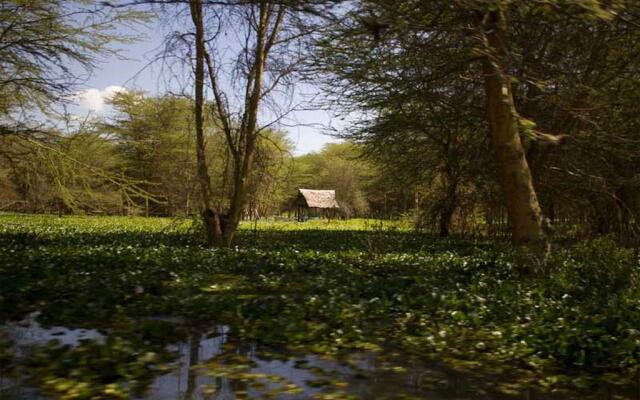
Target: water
{"type": "Point", "coordinates": [28, 333]}
{"type": "Point", "coordinates": [363, 378]}
{"type": "Point", "coordinates": [200, 371]}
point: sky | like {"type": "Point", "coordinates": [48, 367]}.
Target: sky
{"type": "Point", "coordinates": [132, 70]}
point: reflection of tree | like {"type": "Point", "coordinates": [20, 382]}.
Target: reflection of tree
{"type": "Point", "coordinates": [226, 391]}
{"type": "Point", "coordinates": [194, 347]}
{"type": "Point", "coordinates": [223, 388]}
{"type": "Point", "coordinates": [226, 387]}
{"type": "Point", "coordinates": [241, 348]}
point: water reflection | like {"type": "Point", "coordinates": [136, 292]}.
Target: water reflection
{"type": "Point", "coordinates": [364, 376]}
{"type": "Point", "coordinates": [212, 365]}
{"type": "Point", "coordinates": [184, 382]}
{"type": "Point", "coordinates": [192, 379]}
{"type": "Point", "coordinates": [29, 333]}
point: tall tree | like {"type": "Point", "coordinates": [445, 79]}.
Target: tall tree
{"type": "Point", "coordinates": [47, 50]}
{"type": "Point", "coordinates": [154, 139]}
{"type": "Point", "coordinates": [376, 50]}
{"type": "Point", "coordinates": [525, 214]}
{"type": "Point", "coordinates": [268, 56]}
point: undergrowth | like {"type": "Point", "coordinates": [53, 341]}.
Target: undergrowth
{"type": "Point", "coordinates": [330, 290]}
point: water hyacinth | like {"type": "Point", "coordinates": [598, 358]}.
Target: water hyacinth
{"type": "Point", "coordinates": [320, 291]}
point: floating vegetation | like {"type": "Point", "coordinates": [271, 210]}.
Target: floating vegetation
{"type": "Point", "coordinates": [460, 306]}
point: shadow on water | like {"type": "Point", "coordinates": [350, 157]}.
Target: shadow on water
{"type": "Point", "coordinates": [212, 365]}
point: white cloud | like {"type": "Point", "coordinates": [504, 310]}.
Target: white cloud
{"type": "Point", "coordinates": [94, 99]}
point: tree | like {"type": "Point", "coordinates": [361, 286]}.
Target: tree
{"type": "Point", "coordinates": [268, 186]}
{"type": "Point", "coordinates": [445, 45]}
{"type": "Point", "coordinates": [272, 34]}
{"type": "Point", "coordinates": [437, 156]}
{"type": "Point", "coordinates": [74, 172]}
{"type": "Point", "coordinates": [153, 137]}
{"type": "Point", "coordinates": [46, 47]}
{"type": "Point", "coordinates": [514, 175]}
{"type": "Point", "coordinates": [587, 182]}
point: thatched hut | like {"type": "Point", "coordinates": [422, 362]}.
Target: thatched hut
{"type": "Point", "coordinates": [315, 202]}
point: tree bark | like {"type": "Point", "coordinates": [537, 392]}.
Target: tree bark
{"type": "Point", "coordinates": [514, 175]}
{"type": "Point", "coordinates": [448, 209]}
{"type": "Point", "coordinates": [241, 137]}
{"type": "Point", "coordinates": [244, 165]}
{"type": "Point", "coordinates": [210, 218]}
{"type": "Point", "coordinates": [269, 21]}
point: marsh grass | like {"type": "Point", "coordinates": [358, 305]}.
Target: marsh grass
{"type": "Point", "coordinates": [329, 289]}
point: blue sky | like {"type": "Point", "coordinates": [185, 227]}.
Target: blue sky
{"type": "Point", "coordinates": [132, 71]}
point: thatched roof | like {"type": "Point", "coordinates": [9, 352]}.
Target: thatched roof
{"type": "Point", "coordinates": [318, 198]}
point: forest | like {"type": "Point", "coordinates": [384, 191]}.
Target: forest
{"type": "Point", "coordinates": [467, 227]}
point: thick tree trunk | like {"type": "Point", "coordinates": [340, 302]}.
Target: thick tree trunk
{"type": "Point", "coordinates": [447, 211]}
{"type": "Point", "coordinates": [210, 218]}
{"type": "Point", "coordinates": [445, 222]}
{"type": "Point", "coordinates": [525, 215]}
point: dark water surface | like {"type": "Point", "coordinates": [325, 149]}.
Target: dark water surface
{"type": "Point", "coordinates": [282, 374]}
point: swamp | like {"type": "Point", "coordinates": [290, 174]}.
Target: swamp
{"type": "Point", "coordinates": [319, 199]}
{"type": "Point", "coordinates": [120, 307]}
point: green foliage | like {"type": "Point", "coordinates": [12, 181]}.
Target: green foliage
{"type": "Point", "coordinates": [597, 269]}
{"type": "Point", "coordinates": [71, 173]}
{"type": "Point", "coordinates": [155, 146]}
{"type": "Point", "coordinates": [116, 369]}
{"type": "Point", "coordinates": [322, 289]}
{"type": "Point", "coordinates": [141, 160]}
{"type": "Point", "coordinates": [45, 47]}
{"type": "Point", "coordinates": [413, 71]}
{"type": "Point", "coordinates": [272, 178]}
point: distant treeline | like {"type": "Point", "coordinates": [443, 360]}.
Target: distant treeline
{"type": "Point", "coordinates": [497, 118]}
{"type": "Point", "coordinates": [140, 161]}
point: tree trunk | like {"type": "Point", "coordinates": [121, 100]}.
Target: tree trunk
{"type": "Point", "coordinates": [448, 208]}
{"type": "Point", "coordinates": [242, 140]}
{"type": "Point", "coordinates": [525, 215]}
{"type": "Point", "coordinates": [244, 160]}
{"type": "Point", "coordinates": [445, 221]}
{"type": "Point", "coordinates": [625, 221]}
{"type": "Point", "coordinates": [210, 218]}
